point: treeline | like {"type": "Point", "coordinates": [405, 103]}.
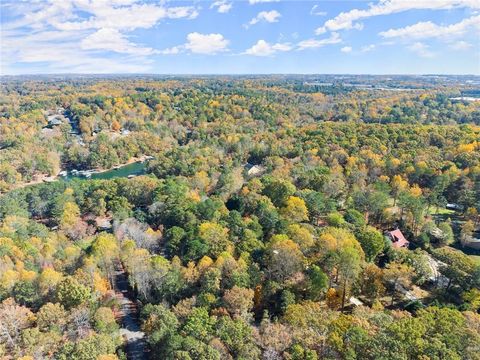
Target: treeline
{"type": "Point", "coordinates": [107, 122]}
{"type": "Point", "coordinates": [258, 231]}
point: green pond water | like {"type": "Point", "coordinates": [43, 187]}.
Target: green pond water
{"type": "Point", "coordinates": [136, 168]}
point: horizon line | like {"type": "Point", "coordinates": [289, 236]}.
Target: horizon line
{"type": "Point", "coordinates": [237, 74]}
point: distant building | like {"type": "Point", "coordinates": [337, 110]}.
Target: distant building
{"type": "Point", "coordinates": [453, 206]}
{"type": "Point", "coordinates": [49, 179]}
{"type": "Point", "coordinates": [397, 239]}
{"type": "Point", "coordinates": [465, 98]}
{"type": "Point", "coordinates": [355, 301]}
{"type": "Point", "coordinates": [55, 121]}
{"type": "Point", "coordinates": [103, 223]}
{"type": "Point", "coordinates": [471, 242]}
{"type": "Point", "coordinates": [255, 170]}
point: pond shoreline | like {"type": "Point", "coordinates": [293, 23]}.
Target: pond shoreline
{"type": "Point", "coordinates": [43, 178]}
{"type": "Point", "coordinates": [97, 171]}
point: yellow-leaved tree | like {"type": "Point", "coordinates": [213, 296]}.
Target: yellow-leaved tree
{"type": "Point", "coordinates": [295, 209]}
{"type": "Point", "coordinates": [69, 216]}
{"type": "Point", "coordinates": [215, 236]}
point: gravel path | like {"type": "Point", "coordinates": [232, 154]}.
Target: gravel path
{"type": "Point", "coordinates": [130, 329]}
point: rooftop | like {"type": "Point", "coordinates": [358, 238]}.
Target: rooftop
{"type": "Point", "coordinates": [398, 240]}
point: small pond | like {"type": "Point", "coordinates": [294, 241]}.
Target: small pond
{"type": "Point", "coordinates": [136, 168]}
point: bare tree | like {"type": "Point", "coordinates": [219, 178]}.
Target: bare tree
{"type": "Point", "coordinates": [13, 319]}
{"type": "Point", "coordinates": [138, 232]}
{"type": "Point", "coordinates": [79, 324]}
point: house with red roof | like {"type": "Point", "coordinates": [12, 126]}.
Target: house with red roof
{"type": "Point", "coordinates": [397, 239]}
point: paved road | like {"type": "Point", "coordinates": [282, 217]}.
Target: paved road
{"type": "Point", "coordinates": [129, 316]}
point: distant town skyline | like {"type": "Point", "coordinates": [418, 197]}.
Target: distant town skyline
{"type": "Point", "coordinates": [240, 37]}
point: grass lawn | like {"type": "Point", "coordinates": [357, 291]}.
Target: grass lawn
{"type": "Point", "coordinates": [441, 211]}
{"type": "Point", "coordinates": [475, 258]}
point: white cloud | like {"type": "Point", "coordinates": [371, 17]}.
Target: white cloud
{"type": "Point", "coordinates": [82, 35]}
{"type": "Point", "coordinates": [119, 14]}
{"type": "Point", "coordinates": [367, 48]}
{"type": "Point", "coordinates": [37, 15]}
{"type": "Point", "coordinates": [67, 57]}
{"type": "Point", "coordinates": [131, 17]}
{"type": "Point", "coordinates": [427, 29]}
{"type": "Point", "coordinates": [314, 43]}
{"type": "Point", "coordinates": [348, 20]}
{"type": "Point", "coordinates": [421, 50]}
{"type": "Point", "coordinates": [266, 16]}
{"type": "Point", "coordinates": [316, 12]}
{"type": "Point", "coordinates": [252, 2]}
{"type": "Point", "coordinates": [460, 45]}
{"type": "Point", "coordinates": [206, 43]}
{"type": "Point", "coordinates": [222, 6]}
{"type": "Point", "coordinates": [179, 12]}
{"type": "Point", "coordinates": [171, 51]}
{"type": "Point", "coordinates": [263, 48]}
{"type": "Point", "coordinates": [112, 40]}
{"type": "Point", "coordinates": [346, 49]}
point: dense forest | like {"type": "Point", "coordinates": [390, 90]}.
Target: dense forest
{"type": "Point", "coordinates": [276, 217]}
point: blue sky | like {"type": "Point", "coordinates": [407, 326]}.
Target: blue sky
{"type": "Point", "coordinates": [240, 37]}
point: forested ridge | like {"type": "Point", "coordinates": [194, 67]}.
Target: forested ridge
{"type": "Point", "coordinates": [262, 226]}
